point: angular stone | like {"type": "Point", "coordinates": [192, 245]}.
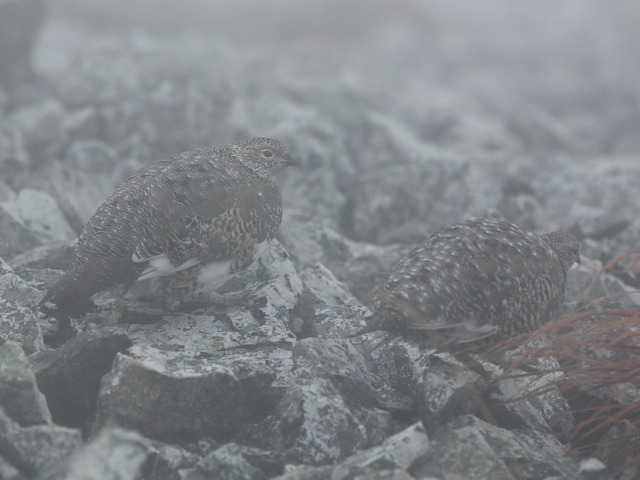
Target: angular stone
{"type": "Point", "coordinates": [70, 375]}
{"type": "Point", "coordinates": [15, 290]}
{"type": "Point", "coordinates": [40, 213]}
{"type": "Point", "coordinates": [405, 201]}
{"type": "Point", "coordinates": [19, 394]}
{"type": "Point", "coordinates": [73, 183]}
{"type": "Point", "coordinates": [38, 448]}
{"type": "Point", "coordinates": [470, 448]}
{"type": "Point", "coordinates": [311, 424]}
{"type": "Point", "coordinates": [8, 471]}
{"type": "Point", "coordinates": [168, 462]}
{"type": "Point", "coordinates": [234, 461]}
{"type": "Point", "coordinates": [171, 397]}
{"type": "Point", "coordinates": [327, 287]}
{"type": "Point", "coordinates": [16, 237]}
{"type": "Point", "coordinates": [619, 446]}
{"type": "Point", "coordinates": [20, 325]}
{"type": "Point", "coordinates": [534, 402]}
{"type": "Point", "coordinates": [112, 454]}
{"type": "Point", "coordinates": [359, 265]}
{"type": "Point", "coordinates": [445, 391]}
{"type": "Point", "coordinates": [340, 363]}
{"type": "Point", "coordinates": [52, 255]}
{"type": "Point", "coordinates": [398, 452]}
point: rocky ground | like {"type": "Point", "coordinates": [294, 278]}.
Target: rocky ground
{"type": "Point", "coordinates": [408, 118]}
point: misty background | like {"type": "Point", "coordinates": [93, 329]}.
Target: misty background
{"type": "Point", "coordinates": [405, 116]}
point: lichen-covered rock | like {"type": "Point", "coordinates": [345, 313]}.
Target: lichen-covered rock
{"type": "Point", "coordinates": [311, 424]}
{"type": "Point", "coordinates": [235, 462]}
{"type": "Point", "coordinates": [467, 447]}
{"type": "Point", "coordinates": [112, 454]}
{"type": "Point", "coordinates": [19, 324]}
{"type": "Point", "coordinates": [19, 395]}
{"type": "Point", "coordinates": [169, 396]}
{"type": "Point", "coordinates": [37, 448]}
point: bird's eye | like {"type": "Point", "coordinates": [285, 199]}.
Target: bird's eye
{"type": "Point", "coordinates": [267, 153]}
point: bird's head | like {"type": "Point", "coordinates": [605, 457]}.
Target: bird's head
{"type": "Point", "coordinates": [566, 247]}
{"type": "Point", "coordinates": [265, 154]}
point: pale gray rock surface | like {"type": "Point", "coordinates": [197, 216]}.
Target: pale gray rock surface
{"type": "Point", "coordinates": [157, 392]}
{"type": "Point", "coordinates": [36, 448]}
{"type": "Point", "coordinates": [19, 395]}
{"type": "Point", "coordinates": [114, 454]}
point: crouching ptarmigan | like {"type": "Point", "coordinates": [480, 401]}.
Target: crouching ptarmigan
{"type": "Point", "coordinates": [475, 282]}
{"type": "Point", "coordinates": [185, 224]}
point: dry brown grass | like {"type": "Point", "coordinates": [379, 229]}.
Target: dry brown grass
{"type": "Point", "coordinates": [599, 355]}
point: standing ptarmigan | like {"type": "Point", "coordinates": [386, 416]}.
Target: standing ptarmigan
{"type": "Point", "coordinates": [475, 282]}
{"type": "Point", "coordinates": [186, 224]}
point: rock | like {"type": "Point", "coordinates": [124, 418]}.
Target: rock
{"type": "Point", "coordinates": [73, 182]}
{"type": "Point", "coordinates": [339, 362]}
{"type": "Point", "coordinates": [42, 124]}
{"type": "Point", "coordinates": [589, 282]}
{"type": "Point", "coordinates": [37, 448]}
{"type": "Point", "coordinates": [17, 322]}
{"type": "Point", "coordinates": [4, 267]}
{"type": "Point", "coordinates": [396, 453]}
{"type": "Point", "coordinates": [171, 90]}
{"type": "Point", "coordinates": [470, 448]}
{"type": "Point", "coordinates": [406, 201]}
{"type": "Point", "coordinates": [53, 256]}
{"type": "Point", "coordinates": [16, 238]}
{"type": "Point", "coordinates": [359, 265]}
{"type": "Point", "coordinates": [39, 212]}
{"type": "Point", "coordinates": [16, 291]}
{"type": "Point", "coordinates": [311, 424]}
{"type": "Point", "coordinates": [168, 462]}
{"type": "Point", "coordinates": [390, 460]}
{"type": "Point", "coordinates": [20, 325]}
{"type": "Point", "coordinates": [263, 321]}
{"type": "Point", "coordinates": [448, 389]}
{"type": "Point", "coordinates": [326, 287]}
{"type": "Point", "coordinates": [232, 461]}
{"type": "Point", "coordinates": [70, 375]}
{"type": "Point", "coordinates": [14, 159]}
{"type": "Point", "coordinates": [112, 454]}
{"type": "Point", "coordinates": [618, 447]}
{"type": "Point", "coordinates": [8, 471]}
{"type": "Point", "coordinates": [172, 397]}
{"type": "Point", "coordinates": [19, 395]}
{"type": "Point", "coordinates": [522, 401]}
{"type": "Point", "coordinates": [599, 199]}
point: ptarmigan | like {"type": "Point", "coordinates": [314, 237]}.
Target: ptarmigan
{"type": "Point", "coordinates": [185, 224]}
{"type": "Point", "coordinates": [474, 283]}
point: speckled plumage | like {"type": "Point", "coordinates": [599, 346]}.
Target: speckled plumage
{"type": "Point", "coordinates": [475, 282]}
{"type": "Point", "coordinates": [173, 218]}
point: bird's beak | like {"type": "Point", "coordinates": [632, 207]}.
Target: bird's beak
{"type": "Point", "coordinates": [290, 162]}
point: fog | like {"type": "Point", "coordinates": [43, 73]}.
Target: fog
{"type": "Point", "coordinates": [404, 116]}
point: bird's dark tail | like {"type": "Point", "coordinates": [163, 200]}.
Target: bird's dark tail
{"type": "Point", "coordinates": [64, 300]}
